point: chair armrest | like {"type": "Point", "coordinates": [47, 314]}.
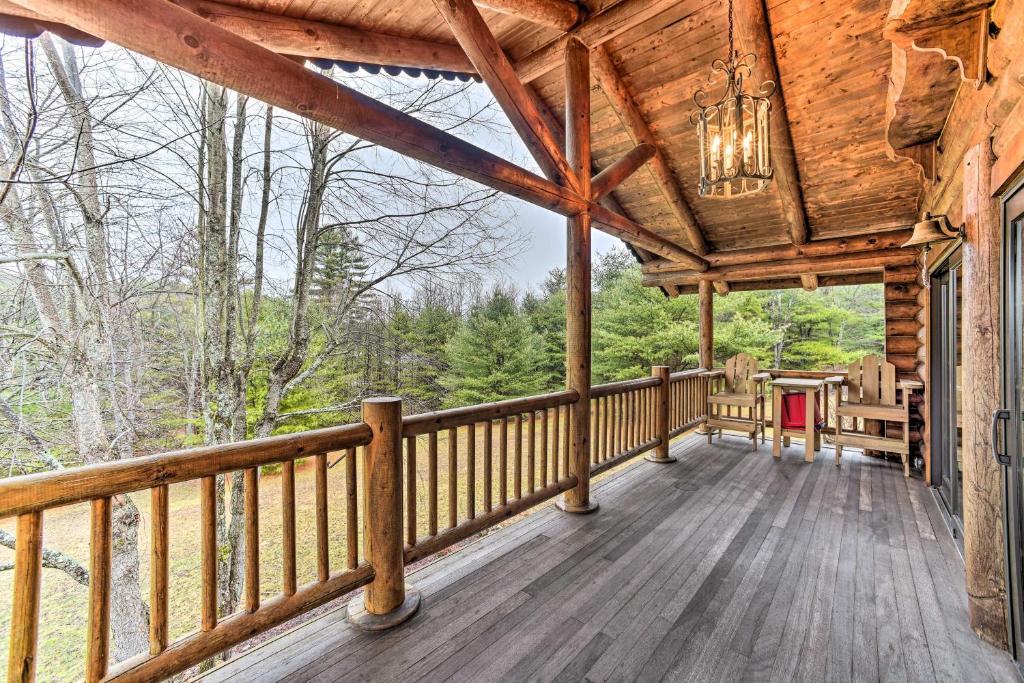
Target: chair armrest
{"type": "Point", "coordinates": [835, 379]}
{"type": "Point", "coordinates": [911, 384]}
{"type": "Point", "coordinates": [762, 376]}
{"type": "Point", "coordinates": [713, 373]}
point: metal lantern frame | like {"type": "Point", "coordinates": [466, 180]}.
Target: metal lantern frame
{"type": "Point", "coordinates": [735, 131]}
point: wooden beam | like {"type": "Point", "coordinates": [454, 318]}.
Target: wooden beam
{"type": "Point", "coordinates": [706, 345]}
{"type": "Point", "coordinates": [721, 286]}
{"type": "Point", "coordinates": [175, 36]}
{"type": "Point", "coordinates": [489, 59]}
{"type": "Point", "coordinates": [840, 245]}
{"type": "Point", "coordinates": [556, 14]}
{"type": "Point", "coordinates": [842, 263]}
{"type": "Point", "coordinates": [593, 32]}
{"type": "Point", "coordinates": [616, 224]}
{"type": "Point", "coordinates": [809, 281]}
{"type": "Point", "coordinates": [624, 104]}
{"type": "Point", "coordinates": [852, 279]}
{"type": "Point", "coordinates": [319, 40]}
{"type": "Point", "coordinates": [984, 558]}
{"type": "Point", "coordinates": [578, 279]}
{"type": "Point", "coordinates": [625, 166]}
{"type": "Point", "coordinates": [754, 34]}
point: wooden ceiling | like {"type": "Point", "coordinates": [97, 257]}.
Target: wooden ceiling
{"type": "Point", "coordinates": [833, 65]}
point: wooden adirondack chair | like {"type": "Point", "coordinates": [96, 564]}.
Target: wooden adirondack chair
{"type": "Point", "coordinates": [871, 395]}
{"type": "Point", "coordinates": [739, 386]}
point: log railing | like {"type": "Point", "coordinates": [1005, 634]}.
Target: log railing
{"type": "Point", "coordinates": [485, 463]}
{"type": "Point", "coordinates": [28, 497]}
{"type": "Point", "coordinates": [475, 466]}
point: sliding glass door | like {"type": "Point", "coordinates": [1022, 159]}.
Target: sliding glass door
{"type": "Point", "coordinates": [947, 397]}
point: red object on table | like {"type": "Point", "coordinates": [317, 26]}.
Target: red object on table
{"type": "Point", "coordinates": [794, 409]}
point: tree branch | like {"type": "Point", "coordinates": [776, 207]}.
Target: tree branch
{"type": "Point", "coordinates": [52, 559]}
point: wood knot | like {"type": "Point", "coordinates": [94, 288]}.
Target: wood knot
{"type": "Point", "coordinates": [191, 41]}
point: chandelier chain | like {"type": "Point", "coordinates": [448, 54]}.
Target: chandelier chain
{"type": "Point", "coordinates": [732, 46]}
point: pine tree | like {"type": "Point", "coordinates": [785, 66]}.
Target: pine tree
{"type": "Point", "coordinates": [494, 355]}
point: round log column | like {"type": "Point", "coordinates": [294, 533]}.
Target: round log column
{"type": "Point", "coordinates": [386, 601]}
{"type": "Point", "coordinates": [984, 554]}
{"type": "Point", "coordinates": [577, 304]}
{"type": "Point", "coordinates": [707, 324]}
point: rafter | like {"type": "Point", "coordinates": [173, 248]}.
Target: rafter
{"type": "Point", "coordinates": [629, 114]}
{"type": "Point", "coordinates": [493, 66]}
{"type": "Point", "coordinates": [175, 36]}
{"type": "Point", "coordinates": [809, 281]}
{"type": "Point", "coordinates": [754, 34]}
{"type": "Point", "coordinates": [557, 14]}
{"type": "Point", "coordinates": [593, 32]}
{"type": "Point", "coordinates": [872, 277]}
{"type": "Point", "coordinates": [722, 287]}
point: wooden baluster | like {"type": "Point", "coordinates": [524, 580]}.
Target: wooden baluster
{"type": "Point", "coordinates": [432, 484]}
{"type": "Point", "coordinates": [351, 511]}
{"type": "Point", "coordinates": [453, 477]}
{"type": "Point", "coordinates": [159, 567]}
{"type": "Point", "coordinates": [619, 422]}
{"type": "Point", "coordinates": [410, 491]}
{"type": "Point", "coordinates": [288, 525]}
{"type": "Point", "coordinates": [544, 447]}
{"type": "Point", "coordinates": [488, 477]}
{"type": "Point", "coordinates": [503, 462]}
{"type": "Point", "coordinates": [98, 629]}
{"type": "Point", "coordinates": [323, 566]}
{"type": "Point", "coordinates": [597, 417]}
{"type": "Point", "coordinates": [28, 573]}
{"type": "Point", "coordinates": [567, 440]}
{"type": "Point", "coordinates": [609, 426]}
{"type": "Point", "coordinates": [471, 471]}
{"type": "Point", "coordinates": [531, 454]}
{"type": "Point", "coordinates": [208, 552]}
{"type": "Point", "coordinates": [252, 539]}
{"type": "Point", "coordinates": [519, 457]}
{"type": "Point", "coordinates": [555, 420]}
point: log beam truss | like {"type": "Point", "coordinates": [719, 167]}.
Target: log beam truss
{"type": "Point", "coordinates": [178, 37]}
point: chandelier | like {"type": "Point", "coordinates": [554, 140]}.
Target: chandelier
{"type": "Point", "coordinates": [734, 132]}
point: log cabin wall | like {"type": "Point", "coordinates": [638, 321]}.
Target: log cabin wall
{"type": "Point", "coordinates": [967, 139]}
{"type": "Point", "coordinates": [904, 315]}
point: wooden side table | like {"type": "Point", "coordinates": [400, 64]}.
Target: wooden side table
{"type": "Point", "coordinates": [809, 387]}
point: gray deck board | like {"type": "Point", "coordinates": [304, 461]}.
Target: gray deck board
{"type": "Point", "coordinates": [727, 565]}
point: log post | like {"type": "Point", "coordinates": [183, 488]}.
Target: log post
{"type": "Point", "coordinates": [661, 413]}
{"type": "Point", "coordinates": [387, 601]}
{"type": "Point", "coordinates": [577, 308]}
{"type": "Point", "coordinates": [707, 322]}
{"type": "Point", "coordinates": [983, 480]}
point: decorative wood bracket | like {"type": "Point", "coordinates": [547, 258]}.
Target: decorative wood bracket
{"type": "Point", "coordinates": [964, 42]}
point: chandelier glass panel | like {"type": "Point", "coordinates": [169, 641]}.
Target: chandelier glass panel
{"type": "Point", "coordinates": [735, 131]}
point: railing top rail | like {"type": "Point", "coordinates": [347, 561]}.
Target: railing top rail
{"type": "Point", "coordinates": [623, 386]}
{"type": "Point", "coordinates": [428, 423]}
{"type": "Point", "coordinates": [806, 374]}
{"type": "Point", "coordinates": [685, 374]}
{"type": "Point", "coordinates": [33, 492]}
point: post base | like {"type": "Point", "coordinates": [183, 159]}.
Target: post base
{"type": "Point", "coordinates": [591, 506]}
{"type": "Point", "coordinates": [361, 619]}
{"type": "Point", "coordinates": [651, 457]}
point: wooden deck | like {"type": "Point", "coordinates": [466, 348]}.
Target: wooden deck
{"type": "Point", "coordinates": [727, 565]}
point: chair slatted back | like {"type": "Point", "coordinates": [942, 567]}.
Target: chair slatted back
{"type": "Point", "coordinates": [738, 373]}
{"type": "Point", "coordinates": [872, 381]}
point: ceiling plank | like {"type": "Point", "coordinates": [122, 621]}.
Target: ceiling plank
{"type": "Point", "coordinates": [489, 59]}
{"type": "Point", "coordinates": [623, 167]}
{"type": "Point", "coordinates": [557, 14]}
{"type": "Point", "coordinates": [754, 34]}
{"type": "Point", "coordinates": [173, 35]}
{"type": "Point", "coordinates": [623, 103]}
{"type": "Point", "coordinates": [593, 32]}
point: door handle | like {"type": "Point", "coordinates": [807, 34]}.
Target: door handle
{"type": "Point", "coordinates": [998, 416]}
